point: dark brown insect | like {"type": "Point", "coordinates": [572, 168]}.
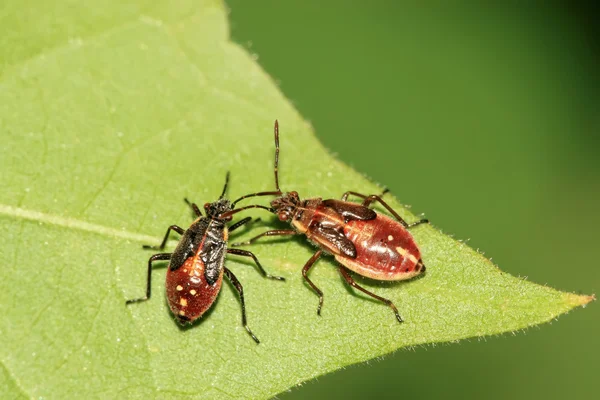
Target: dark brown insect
{"type": "Point", "coordinates": [361, 240]}
{"type": "Point", "coordinates": [197, 265]}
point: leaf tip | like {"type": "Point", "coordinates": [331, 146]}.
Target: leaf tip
{"type": "Point", "coordinates": [576, 300]}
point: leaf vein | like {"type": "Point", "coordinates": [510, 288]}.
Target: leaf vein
{"type": "Point", "coordinates": [16, 381]}
{"type": "Point", "coordinates": [72, 223]}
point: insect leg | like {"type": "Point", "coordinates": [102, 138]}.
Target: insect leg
{"type": "Point", "coordinates": [276, 232]}
{"type": "Point", "coordinates": [238, 286]}
{"type": "Point", "coordinates": [362, 196]}
{"type": "Point", "coordinates": [175, 228]}
{"type": "Point", "coordinates": [355, 285]}
{"type": "Point", "coordinates": [369, 199]}
{"type": "Point", "coordinates": [241, 222]}
{"type": "Point", "coordinates": [194, 207]}
{"type": "Point", "coordinates": [305, 270]}
{"type": "Point", "coordinates": [419, 222]}
{"type": "Point", "coordinates": [156, 257]}
{"type": "Point", "coordinates": [372, 198]}
{"type": "Point", "coordinates": [246, 253]}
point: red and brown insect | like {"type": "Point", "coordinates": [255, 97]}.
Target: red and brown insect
{"type": "Point", "coordinates": [197, 265]}
{"type": "Point", "coordinates": [361, 240]}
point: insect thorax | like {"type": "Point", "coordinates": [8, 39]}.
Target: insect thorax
{"type": "Point", "coordinates": [217, 208]}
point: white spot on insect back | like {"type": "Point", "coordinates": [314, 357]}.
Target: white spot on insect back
{"type": "Point", "coordinates": [179, 288]}
{"type": "Point", "coordinates": [193, 292]}
{"type": "Point", "coordinates": [195, 280]}
{"type": "Point", "coordinates": [390, 238]}
{"type": "Point", "coordinates": [404, 253]}
{"type": "Point", "coordinates": [183, 302]}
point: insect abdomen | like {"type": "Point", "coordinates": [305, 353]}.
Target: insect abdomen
{"type": "Point", "coordinates": [188, 291]}
{"type": "Point", "coordinates": [385, 250]}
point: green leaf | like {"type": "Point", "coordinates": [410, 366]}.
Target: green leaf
{"type": "Point", "coordinates": [109, 117]}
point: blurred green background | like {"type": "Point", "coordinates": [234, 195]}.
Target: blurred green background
{"type": "Point", "coordinates": [487, 119]}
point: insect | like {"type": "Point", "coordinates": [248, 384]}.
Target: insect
{"type": "Point", "coordinates": [197, 265]}
{"type": "Point", "coordinates": [370, 244]}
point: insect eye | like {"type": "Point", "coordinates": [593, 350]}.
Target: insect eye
{"type": "Point", "coordinates": [283, 216]}
{"type": "Point", "coordinates": [206, 205]}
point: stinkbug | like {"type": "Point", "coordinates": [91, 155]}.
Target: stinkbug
{"type": "Point", "coordinates": [371, 244]}
{"type": "Point", "coordinates": [197, 265]}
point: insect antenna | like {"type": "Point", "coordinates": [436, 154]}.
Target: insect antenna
{"type": "Point", "coordinates": [225, 187]}
{"type": "Point", "coordinates": [276, 133]}
{"type": "Point", "coordinates": [228, 214]}
{"type": "Point", "coordinates": [276, 170]}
